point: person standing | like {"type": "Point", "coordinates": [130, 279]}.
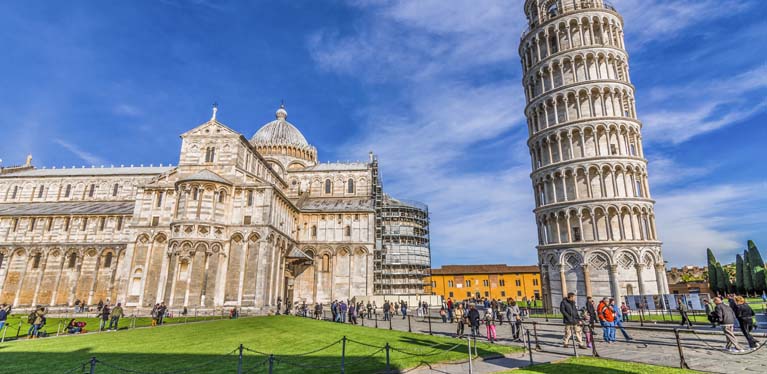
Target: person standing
{"type": "Point", "coordinates": [117, 313]}
{"type": "Point", "coordinates": [726, 318]}
{"type": "Point", "coordinates": [443, 314]}
{"type": "Point", "coordinates": [370, 310]}
{"type": "Point", "coordinates": [746, 320]}
{"type": "Point", "coordinates": [5, 310]}
{"type": "Point", "coordinates": [342, 311]}
{"type": "Point", "coordinates": [161, 313]}
{"type": "Point", "coordinates": [515, 319]}
{"type": "Point", "coordinates": [473, 316]}
{"type": "Point", "coordinates": [459, 319]}
{"type": "Point", "coordinates": [709, 312]}
{"type": "Point", "coordinates": [619, 319]}
{"type": "Point", "coordinates": [591, 319]}
{"type": "Point", "coordinates": [154, 314]}
{"type": "Point", "coordinates": [625, 310]}
{"type": "Point", "coordinates": [490, 324]}
{"type": "Point", "coordinates": [352, 315]}
{"type": "Point", "coordinates": [682, 308]}
{"type": "Point", "coordinates": [607, 318]}
{"type": "Point", "coordinates": [386, 310]}
{"type": "Point", "coordinates": [104, 314]}
{"type": "Point", "coordinates": [403, 306]}
{"type": "Point", "coordinates": [570, 320]}
{"type": "Point", "coordinates": [37, 323]}
{"type": "Point", "coordinates": [450, 309]}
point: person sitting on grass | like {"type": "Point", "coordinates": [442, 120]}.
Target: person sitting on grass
{"type": "Point", "coordinates": [75, 327]}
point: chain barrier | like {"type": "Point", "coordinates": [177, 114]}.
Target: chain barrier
{"type": "Point", "coordinates": [433, 353]}
{"type": "Point", "coordinates": [257, 366]}
{"type": "Point", "coordinates": [182, 370]}
{"type": "Point", "coordinates": [736, 353]}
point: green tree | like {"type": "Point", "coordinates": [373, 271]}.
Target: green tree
{"type": "Point", "coordinates": [739, 274]}
{"type": "Point", "coordinates": [748, 283]}
{"type": "Point", "coordinates": [757, 263]}
{"type": "Point", "coordinates": [722, 280]}
{"type": "Point", "coordinates": [756, 257]}
{"type": "Point", "coordinates": [713, 283]}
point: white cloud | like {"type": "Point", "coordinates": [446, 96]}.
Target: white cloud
{"type": "Point", "coordinates": [693, 219]}
{"type": "Point", "coordinates": [128, 110]}
{"type": "Point", "coordinates": [666, 171]}
{"type": "Point", "coordinates": [86, 156]}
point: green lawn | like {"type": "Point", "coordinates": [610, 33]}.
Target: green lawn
{"type": "Point", "coordinates": [174, 347]}
{"type": "Point", "coordinates": [588, 365]}
{"type": "Point", "coordinates": [18, 324]}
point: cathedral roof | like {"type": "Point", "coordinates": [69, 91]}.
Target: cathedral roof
{"type": "Point", "coordinates": [205, 175]}
{"type": "Point", "coordinates": [279, 132]}
{"type": "Point", "coordinates": [67, 208]}
{"type": "Point", "coordinates": [92, 171]}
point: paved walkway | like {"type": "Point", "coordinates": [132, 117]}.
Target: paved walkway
{"type": "Point", "coordinates": [653, 344]}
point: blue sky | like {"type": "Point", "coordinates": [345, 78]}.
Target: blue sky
{"type": "Point", "coordinates": [432, 87]}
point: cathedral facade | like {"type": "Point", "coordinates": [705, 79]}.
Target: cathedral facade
{"type": "Point", "coordinates": [238, 222]}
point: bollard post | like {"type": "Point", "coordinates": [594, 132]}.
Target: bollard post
{"type": "Point", "coordinates": [375, 318]}
{"type": "Point", "coordinates": [409, 329]}
{"type": "Point", "coordinates": [682, 362]}
{"type": "Point", "coordinates": [5, 329]}
{"type": "Point", "coordinates": [93, 365]}
{"type": "Point", "coordinates": [343, 354]}
{"type": "Point", "coordinates": [18, 330]}
{"type": "Point", "coordinates": [535, 331]}
{"type": "Point", "coordinates": [362, 317]}
{"type": "Point", "coordinates": [390, 322]}
{"type": "Point", "coordinates": [468, 340]}
{"type": "Point", "coordinates": [529, 346]}
{"type": "Point", "coordinates": [387, 358]}
{"type": "Point", "coordinates": [239, 361]}
{"type": "Point", "coordinates": [58, 329]}
{"type": "Point", "coordinates": [271, 363]}
{"type": "Point", "coordinates": [429, 319]}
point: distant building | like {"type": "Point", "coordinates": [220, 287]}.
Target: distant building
{"type": "Point", "coordinates": [496, 281]}
{"type": "Point", "coordinates": [688, 279]}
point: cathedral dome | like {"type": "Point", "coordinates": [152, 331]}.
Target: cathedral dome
{"type": "Point", "coordinates": [279, 132]}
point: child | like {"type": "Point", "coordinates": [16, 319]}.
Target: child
{"type": "Point", "coordinates": [586, 329]}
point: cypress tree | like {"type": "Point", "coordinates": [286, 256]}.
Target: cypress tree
{"type": "Point", "coordinates": [722, 280]}
{"type": "Point", "coordinates": [756, 257]}
{"type": "Point", "coordinates": [739, 274]}
{"type": "Point", "coordinates": [713, 284]}
{"type": "Point", "coordinates": [748, 283]}
{"type": "Point", "coordinates": [757, 263]}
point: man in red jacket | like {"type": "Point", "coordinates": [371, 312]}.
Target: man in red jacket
{"type": "Point", "coordinates": [607, 318]}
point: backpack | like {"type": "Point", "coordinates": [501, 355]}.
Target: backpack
{"type": "Point", "coordinates": [31, 318]}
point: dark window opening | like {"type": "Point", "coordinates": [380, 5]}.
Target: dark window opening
{"type": "Point", "coordinates": [91, 190]}
{"type": "Point", "coordinates": [108, 260]}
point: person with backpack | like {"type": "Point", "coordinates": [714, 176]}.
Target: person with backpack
{"type": "Point", "coordinates": [745, 317]}
{"type": "Point", "coordinates": [115, 316]}
{"type": "Point", "coordinates": [490, 324]}
{"type": "Point", "coordinates": [607, 319]}
{"type": "Point", "coordinates": [37, 320]}
{"type": "Point", "coordinates": [473, 318]}
{"type": "Point", "coordinates": [726, 318]}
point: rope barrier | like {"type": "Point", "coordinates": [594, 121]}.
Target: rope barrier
{"type": "Point", "coordinates": [181, 370]}
{"type": "Point", "coordinates": [77, 369]}
{"type": "Point", "coordinates": [253, 368]}
{"type": "Point", "coordinates": [737, 353]}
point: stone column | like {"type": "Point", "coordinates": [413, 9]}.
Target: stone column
{"type": "Point", "coordinates": [615, 285]}
{"type": "Point", "coordinates": [638, 268]}
{"type": "Point", "coordinates": [44, 262]}
{"type": "Point", "coordinates": [587, 279]}
{"type": "Point", "coordinates": [563, 280]}
{"type": "Point", "coordinates": [660, 277]}
{"type": "Point", "coordinates": [55, 293]}
{"type": "Point", "coordinates": [161, 283]}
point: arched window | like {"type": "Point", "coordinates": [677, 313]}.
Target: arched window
{"type": "Point", "coordinates": [2, 257]}
{"type": "Point", "coordinates": [314, 231]}
{"type": "Point", "coordinates": [183, 270]}
{"type": "Point", "coordinates": [350, 186]}
{"type": "Point", "coordinates": [552, 10]}
{"type": "Point", "coordinates": [328, 186]}
{"type": "Point", "coordinates": [72, 261]}
{"type": "Point", "coordinates": [210, 154]}
{"type": "Point", "coordinates": [135, 284]}
{"type": "Point", "coordinates": [108, 260]}
{"type": "Point", "coordinates": [36, 261]}
{"type": "Point", "coordinates": [195, 193]}
{"type": "Point", "coordinates": [15, 191]}
{"type": "Point", "coordinates": [348, 231]}
{"type": "Point", "coordinates": [638, 188]}
{"type": "Point", "coordinates": [325, 263]}
{"type": "Point", "coordinates": [221, 196]}
{"type": "Point", "coordinates": [40, 191]}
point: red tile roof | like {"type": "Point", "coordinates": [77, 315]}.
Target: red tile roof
{"type": "Point", "coordinates": [484, 269]}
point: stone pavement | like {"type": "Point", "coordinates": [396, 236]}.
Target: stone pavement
{"type": "Point", "coordinates": [652, 344]}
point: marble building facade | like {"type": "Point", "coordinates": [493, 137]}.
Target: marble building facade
{"type": "Point", "coordinates": [238, 222]}
{"type": "Point", "coordinates": [594, 212]}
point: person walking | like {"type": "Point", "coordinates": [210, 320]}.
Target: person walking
{"type": "Point", "coordinates": [682, 308]}
{"type": "Point", "coordinates": [161, 313]}
{"type": "Point", "coordinates": [5, 311]}
{"type": "Point", "coordinates": [352, 313]}
{"type": "Point", "coordinates": [342, 311]}
{"type": "Point", "coordinates": [154, 315]}
{"type": "Point", "coordinates": [459, 319]}
{"type": "Point", "coordinates": [710, 312]}
{"type": "Point", "coordinates": [370, 310]}
{"type": "Point", "coordinates": [591, 319]}
{"type": "Point", "coordinates": [37, 321]}
{"type": "Point", "coordinates": [726, 318]}
{"type": "Point", "coordinates": [473, 318]}
{"type": "Point", "coordinates": [403, 309]}
{"type": "Point", "coordinates": [570, 320]}
{"type": "Point", "coordinates": [450, 309]}
{"type": "Point", "coordinates": [117, 313]}
{"type": "Point", "coordinates": [490, 324]}
{"type": "Point", "coordinates": [619, 319]}
{"type": "Point", "coordinates": [443, 314]}
{"type": "Point", "coordinates": [104, 320]}
{"type": "Point", "coordinates": [746, 320]}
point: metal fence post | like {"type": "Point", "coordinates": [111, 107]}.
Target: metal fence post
{"type": "Point", "coordinates": [376, 319]}
{"type": "Point", "coordinates": [343, 354]}
{"type": "Point", "coordinates": [593, 342]}
{"type": "Point", "coordinates": [529, 346]}
{"type": "Point", "coordinates": [239, 361]}
{"type": "Point", "coordinates": [5, 329]}
{"type": "Point", "coordinates": [468, 340]}
{"type": "Point", "coordinates": [58, 329]}
{"type": "Point", "coordinates": [682, 362]}
{"type": "Point", "coordinates": [429, 319]}
{"type": "Point", "coordinates": [271, 363]}
{"type": "Point", "coordinates": [387, 358]}
{"type": "Point", "coordinates": [93, 365]}
{"type": "Point", "coordinates": [390, 322]}
{"type": "Point", "coordinates": [409, 329]}
{"type": "Point", "coordinates": [572, 337]}
{"type": "Point", "coordinates": [641, 317]}
{"type": "Point", "coordinates": [535, 332]}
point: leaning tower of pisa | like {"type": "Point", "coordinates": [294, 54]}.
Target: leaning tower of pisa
{"type": "Point", "coordinates": [595, 216]}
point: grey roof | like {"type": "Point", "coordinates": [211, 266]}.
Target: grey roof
{"type": "Point", "coordinates": [343, 204]}
{"type": "Point", "coordinates": [336, 166]}
{"type": "Point", "coordinates": [297, 253]}
{"type": "Point", "coordinates": [205, 175]}
{"type": "Point", "coordinates": [67, 208]}
{"type": "Point", "coordinates": [279, 132]}
{"type": "Point", "coordinates": [73, 172]}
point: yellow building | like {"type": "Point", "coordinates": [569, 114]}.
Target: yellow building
{"type": "Point", "coordinates": [497, 281]}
